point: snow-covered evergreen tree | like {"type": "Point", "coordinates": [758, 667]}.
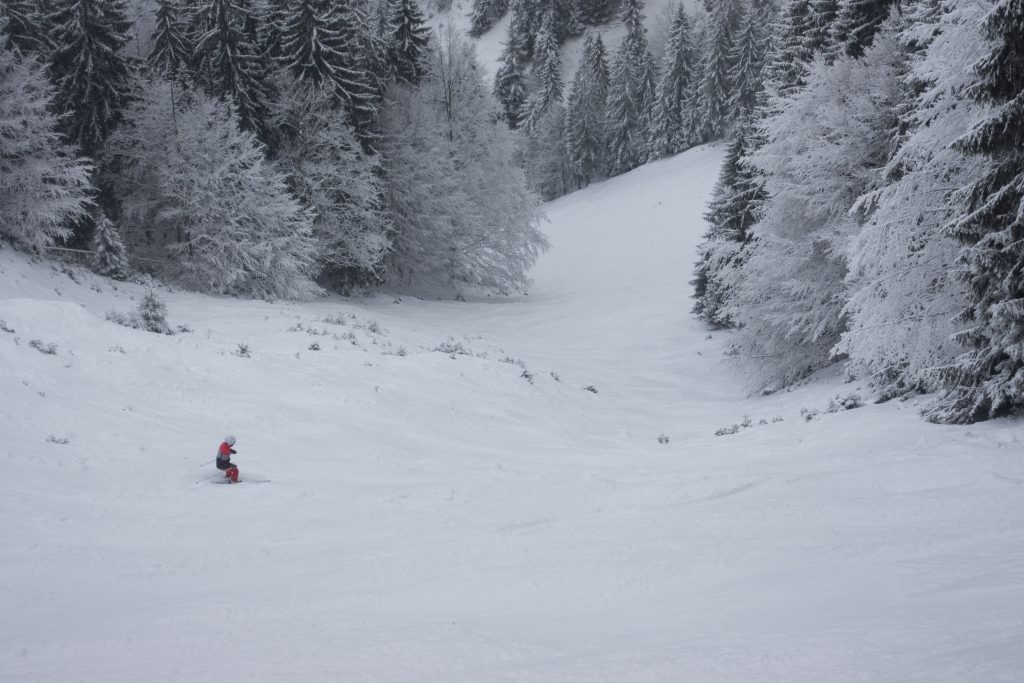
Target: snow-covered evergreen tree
{"type": "Point", "coordinates": [44, 186]}
{"type": "Point", "coordinates": [26, 27]}
{"type": "Point", "coordinates": [407, 41]}
{"type": "Point", "coordinates": [988, 380]}
{"type": "Point", "coordinates": [330, 174]}
{"type": "Point", "coordinates": [595, 12]}
{"type": "Point", "coordinates": [547, 69]}
{"type": "Point", "coordinates": [856, 23]}
{"type": "Point", "coordinates": [510, 88]}
{"type": "Point", "coordinates": [544, 154]}
{"type": "Point", "coordinates": [230, 64]}
{"type": "Point", "coordinates": [824, 148]}
{"type": "Point", "coordinates": [110, 257]}
{"type": "Point", "coordinates": [585, 114]}
{"type": "Point", "coordinates": [733, 210]}
{"type": "Point", "coordinates": [716, 86]}
{"type": "Point", "coordinates": [786, 69]}
{"type": "Point", "coordinates": [485, 14]}
{"type": "Point", "coordinates": [199, 196]}
{"type": "Point", "coordinates": [631, 90]}
{"type": "Point", "coordinates": [88, 66]}
{"type": "Point", "coordinates": [748, 61]}
{"type": "Point", "coordinates": [673, 121]}
{"type": "Point", "coordinates": [821, 17]}
{"type": "Point", "coordinates": [172, 49]}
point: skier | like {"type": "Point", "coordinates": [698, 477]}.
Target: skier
{"type": "Point", "coordinates": [224, 454]}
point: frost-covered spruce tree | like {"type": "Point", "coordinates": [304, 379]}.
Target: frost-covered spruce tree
{"type": "Point", "coordinates": [988, 380]}
{"type": "Point", "coordinates": [673, 120]}
{"type": "Point", "coordinates": [229, 63]}
{"type": "Point", "coordinates": [631, 90]}
{"type": "Point", "coordinates": [818, 36]}
{"type": "Point", "coordinates": [172, 49]}
{"type": "Point", "coordinates": [366, 59]}
{"type": "Point", "coordinates": [152, 313]}
{"type": "Point", "coordinates": [544, 154]}
{"type": "Point", "coordinates": [110, 257]}
{"type": "Point", "coordinates": [786, 69]}
{"type": "Point", "coordinates": [26, 27]}
{"type": "Point", "coordinates": [585, 113]}
{"type": "Point", "coordinates": [510, 88]}
{"type": "Point", "coordinates": [733, 210]}
{"type": "Point", "coordinates": [594, 12]}
{"type": "Point", "coordinates": [748, 61]}
{"type": "Point", "coordinates": [44, 186]}
{"type": "Point", "coordinates": [330, 174]}
{"type": "Point", "coordinates": [856, 23]}
{"type": "Point", "coordinates": [824, 149]}
{"type": "Point", "coordinates": [485, 14]}
{"type": "Point", "coordinates": [214, 211]}
{"type": "Point", "coordinates": [716, 87]}
{"type": "Point", "coordinates": [462, 212]}
{"type": "Point", "coordinates": [407, 41]}
{"type": "Point", "coordinates": [88, 66]}
{"type": "Point", "coordinates": [547, 70]}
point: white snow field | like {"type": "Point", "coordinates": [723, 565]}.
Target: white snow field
{"type": "Point", "coordinates": [436, 517]}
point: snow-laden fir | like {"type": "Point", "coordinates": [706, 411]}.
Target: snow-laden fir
{"type": "Point", "coordinates": [447, 502]}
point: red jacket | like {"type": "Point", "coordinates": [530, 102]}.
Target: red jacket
{"type": "Point", "coordinates": [225, 451]}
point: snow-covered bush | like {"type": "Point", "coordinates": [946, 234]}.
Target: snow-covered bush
{"type": "Point", "coordinates": [462, 212]}
{"type": "Point", "coordinates": [848, 402]}
{"type": "Point", "coordinates": [44, 186]}
{"type": "Point", "coordinates": [149, 315]}
{"type": "Point", "coordinates": [43, 347]}
{"type": "Point", "coordinates": [330, 174]}
{"type": "Point", "coordinates": [202, 198]}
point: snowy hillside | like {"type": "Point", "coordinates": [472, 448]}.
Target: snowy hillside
{"type": "Point", "coordinates": [447, 502]}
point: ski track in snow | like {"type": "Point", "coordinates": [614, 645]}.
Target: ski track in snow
{"type": "Point", "coordinates": [434, 516]}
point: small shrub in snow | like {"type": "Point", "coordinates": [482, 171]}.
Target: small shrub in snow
{"type": "Point", "coordinates": [722, 431]}
{"type": "Point", "coordinates": [335, 320]}
{"type": "Point", "coordinates": [314, 347]}
{"type": "Point", "coordinates": [809, 415]}
{"type": "Point", "coordinates": [512, 361]}
{"type": "Point", "coordinates": [527, 375]}
{"type": "Point", "coordinates": [554, 376]}
{"type": "Point", "coordinates": [777, 419]}
{"type": "Point", "coordinates": [152, 313]}
{"type": "Point", "coordinates": [747, 422]}
{"type": "Point", "coordinates": [110, 257]}
{"type": "Point", "coordinates": [48, 349]}
{"type": "Point", "coordinates": [591, 388]}
{"type": "Point", "coordinates": [116, 348]}
{"type": "Point", "coordinates": [663, 439]}
{"type": "Point", "coordinates": [452, 348]}
{"type": "Point", "coordinates": [3, 326]}
{"type": "Point", "coordinates": [57, 439]}
{"type": "Point", "coordinates": [243, 351]}
{"type": "Point", "coordinates": [841, 403]}
{"type": "Point", "coordinates": [183, 329]}
{"type": "Point", "coordinates": [460, 297]}
{"type": "Point", "coordinates": [374, 328]}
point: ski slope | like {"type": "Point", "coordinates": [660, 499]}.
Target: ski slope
{"type": "Point", "coordinates": [433, 516]}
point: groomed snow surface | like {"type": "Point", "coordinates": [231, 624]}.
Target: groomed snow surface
{"type": "Point", "coordinates": [433, 516]}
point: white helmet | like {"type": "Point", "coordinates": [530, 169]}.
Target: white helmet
{"type": "Point", "coordinates": [229, 440]}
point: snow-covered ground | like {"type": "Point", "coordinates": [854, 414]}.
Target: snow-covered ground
{"type": "Point", "coordinates": [432, 515]}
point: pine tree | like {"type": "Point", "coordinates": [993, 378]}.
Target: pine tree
{"type": "Point", "coordinates": [630, 95]}
{"type": "Point", "coordinates": [673, 122]}
{"type": "Point", "coordinates": [26, 27]}
{"type": "Point", "coordinates": [312, 47]}
{"type": "Point", "coordinates": [407, 42]}
{"type": "Point", "coordinates": [822, 15]}
{"type": "Point", "coordinates": [732, 212]}
{"type": "Point", "coordinates": [988, 380]}
{"type": "Point", "coordinates": [716, 86]}
{"type": "Point", "coordinates": [787, 66]}
{"type": "Point", "coordinates": [366, 61]}
{"type": "Point", "coordinates": [110, 258]}
{"type": "Point", "coordinates": [547, 68]}
{"type": "Point", "coordinates": [510, 88]}
{"type": "Point", "coordinates": [485, 14]}
{"type": "Point", "coordinates": [586, 112]}
{"type": "Point", "coordinates": [272, 27]}
{"type": "Point", "coordinates": [91, 73]}
{"type": "Point", "coordinates": [172, 48]}
{"type": "Point", "coordinates": [856, 23]}
{"type": "Point", "coordinates": [44, 186]}
{"type": "Point", "coordinates": [230, 65]}
{"type": "Point", "coordinates": [565, 18]}
{"type": "Point", "coordinates": [595, 12]}
{"type": "Point", "coordinates": [748, 62]}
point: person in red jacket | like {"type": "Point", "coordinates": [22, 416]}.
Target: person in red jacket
{"type": "Point", "coordinates": [224, 454]}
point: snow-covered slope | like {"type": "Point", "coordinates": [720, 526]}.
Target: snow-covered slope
{"type": "Point", "coordinates": [433, 515]}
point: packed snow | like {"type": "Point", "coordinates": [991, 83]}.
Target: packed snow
{"type": "Point", "coordinates": [508, 488]}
